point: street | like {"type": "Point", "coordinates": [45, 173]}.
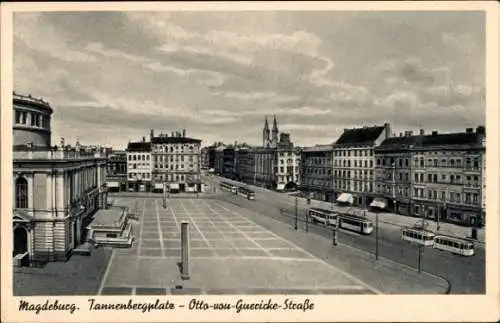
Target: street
{"type": "Point", "coordinates": [466, 274]}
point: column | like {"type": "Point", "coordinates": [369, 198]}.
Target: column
{"type": "Point", "coordinates": [60, 192]}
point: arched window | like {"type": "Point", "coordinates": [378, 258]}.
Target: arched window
{"type": "Point", "coordinates": [21, 193]}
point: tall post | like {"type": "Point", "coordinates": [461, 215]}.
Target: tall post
{"type": "Point", "coordinates": [307, 221]}
{"type": "Point", "coordinates": [185, 250]}
{"type": "Point", "coordinates": [296, 214]}
{"type": "Point", "coordinates": [420, 250]}
{"type": "Point", "coordinates": [438, 215]}
{"type": "Point", "coordinates": [376, 235]}
{"type": "Point", "coordinates": [336, 231]}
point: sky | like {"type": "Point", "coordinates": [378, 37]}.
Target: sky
{"type": "Point", "coordinates": [112, 76]}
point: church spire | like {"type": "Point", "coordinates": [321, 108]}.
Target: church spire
{"type": "Point", "coordinates": [275, 125]}
{"type": "Point", "coordinates": [266, 125]}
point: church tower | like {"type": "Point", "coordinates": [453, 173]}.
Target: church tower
{"type": "Point", "coordinates": [275, 132]}
{"type": "Point", "coordinates": [265, 134]}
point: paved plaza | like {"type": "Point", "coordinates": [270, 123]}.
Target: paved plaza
{"type": "Point", "coordinates": [229, 254]}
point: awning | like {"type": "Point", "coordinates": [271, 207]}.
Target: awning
{"type": "Point", "coordinates": [345, 198]}
{"type": "Point", "coordinates": [112, 184]}
{"type": "Point", "coordinates": [159, 186]}
{"type": "Point", "coordinates": [174, 186]}
{"type": "Point", "coordinates": [280, 186]}
{"type": "Point", "coordinates": [379, 202]}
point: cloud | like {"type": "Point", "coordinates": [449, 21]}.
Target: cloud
{"type": "Point", "coordinates": [218, 74]}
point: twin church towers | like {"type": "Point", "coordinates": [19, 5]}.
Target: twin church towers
{"type": "Point", "coordinates": [270, 138]}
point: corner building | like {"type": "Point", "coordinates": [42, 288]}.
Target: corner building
{"type": "Point", "coordinates": [176, 162]}
{"type": "Point", "coordinates": [56, 189]}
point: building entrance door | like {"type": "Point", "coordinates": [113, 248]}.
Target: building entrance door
{"type": "Point", "coordinates": [20, 241]}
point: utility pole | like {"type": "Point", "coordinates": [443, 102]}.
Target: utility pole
{"type": "Point", "coordinates": [376, 235]}
{"type": "Point", "coordinates": [307, 221]}
{"type": "Point", "coordinates": [296, 214]}
{"type": "Point", "coordinates": [336, 231]}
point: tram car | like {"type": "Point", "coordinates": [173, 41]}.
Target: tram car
{"type": "Point", "coordinates": [356, 223]}
{"type": "Point", "coordinates": [249, 194]}
{"type": "Point", "coordinates": [454, 245]}
{"type": "Point", "coordinates": [225, 186]}
{"type": "Point", "coordinates": [318, 215]}
{"type": "Point", "coordinates": [419, 236]}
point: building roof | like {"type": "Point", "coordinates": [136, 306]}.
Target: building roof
{"type": "Point", "coordinates": [318, 148]}
{"type": "Point", "coordinates": [359, 136]}
{"type": "Point", "coordinates": [432, 140]}
{"type": "Point", "coordinates": [174, 140]}
{"type": "Point", "coordinates": [139, 146]}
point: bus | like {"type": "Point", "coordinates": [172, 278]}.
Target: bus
{"type": "Point", "coordinates": [419, 236]}
{"type": "Point", "coordinates": [249, 194]}
{"type": "Point", "coordinates": [318, 215]}
{"type": "Point", "coordinates": [225, 186]}
{"type": "Point", "coordinates": [356, 223]}
{"type": "Point", "coordinates": [454, 245]}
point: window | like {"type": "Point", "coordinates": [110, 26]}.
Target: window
{"type": "Point", "coordinates": [21, 193]}
{"type": "Point", "coordinates": [18, 116]}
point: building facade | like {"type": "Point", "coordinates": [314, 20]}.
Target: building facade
{"type": "Point", "coordinates": [287, 164]}
{"type": "Point", "coordinates": [434, 176]}
{"type": "Point", "coordinates": [447, 173]}
{"type": "Point", "coordinates": [56, 189]}
{"type": "Point", "coordinates": [316, 172]}
{"type": "Point", "coordinates": [139, 166]}
{"type": "Point", "coordinates": [354, 164]}
{"type": "Point", "coordinates": [176, 162]}
{"type": "Point", "coordinates": [116, 171]}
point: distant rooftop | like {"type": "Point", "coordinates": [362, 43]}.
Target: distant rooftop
{"type": "Point", "coordinates": [318, 148]}
{"type": "Point", "coordinates": [139, 146]}
{"type": "Point", "coordinates": [359, 136]}
{"type": "Point", "coordinates": [174, 140]}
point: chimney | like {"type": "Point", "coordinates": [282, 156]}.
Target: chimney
{"type": "Point", "coordinates": [422, 132]}
{"type": "Point", "coordinates": [401, 134]}
{"type": "Point", "coordinates": [143, 139]}
{"type": "Point", "coordinates": [387, 127]}
{"type": "Point", "coordinates": [434, 132]}
{"type": "Point", "coordinates": [184, 133]}
{"type": "Point", "coordinates": [469, 130]}
{"type": "Point", "coordinates": [172, 134]}
{"type": "Point", "coordinates": [410, 133]}
{"type": "Point", "coordinates": [151, 134]}
{"type": "Point", "coordinates": [481, 130]}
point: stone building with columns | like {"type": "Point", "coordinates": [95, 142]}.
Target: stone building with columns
{"type": "Point", "coordinates": [56, 189]}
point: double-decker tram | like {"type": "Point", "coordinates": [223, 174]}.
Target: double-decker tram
{"type": "Point", "coordinates": [225, 186]}
{"type": "Point", "coordinates": [454, 245]}
{"type": "Point", "coordinates": [318, 215]}
{"type": "Point", "coordinates": [356, 223]}
{"type": "Point", "coordinates": [419, 236]}
{"type": "Point", "coordinates": [249, 194]}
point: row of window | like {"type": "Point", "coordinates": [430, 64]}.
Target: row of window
{"type": "Point", "coordinates": [36, 119]}
{"type": "Point", "coordinates": [138, 157]}
{"type": "Point", "coordinates": [289, 161]}
{"type": "Point", "coordinates": [454, 197]}
{"type": "Point", "coordinates": [448, 179]}
{"type": "Point", "coordinates": [288, 178]}
{"type": "Point", "coordinates": [468, 163]}
{"type": "Point", "coordinates": [172, 167]}
{"type": "Point", "coordinates": [176, 147]}
{"type": "Point", "coordinates": [355, 153]}
{"type": "Point", "coordinates": [169, 177]}
{"type": "Point", "coordinates": [165, 158]}
{"type": "Point", "coordinates": [137, 175]}
{"type": "Point", "coordinates": [354, 163]}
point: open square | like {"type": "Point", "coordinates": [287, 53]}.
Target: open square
{"type": "Point", "coordinates": [228, 253]}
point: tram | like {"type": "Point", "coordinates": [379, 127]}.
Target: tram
{"type": "Point", "coordinates": [454, 245]}
{"type": "Point", "coordinates": [318, 215]}
{"type": "Point", "coordinates": [419, 236]}
{"type": "Point", "coordinates": [356, 223]}
{"type": "Point", "coordinates": [225, 186]}
{"type": "Point", "coordinates": [249, 194]}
